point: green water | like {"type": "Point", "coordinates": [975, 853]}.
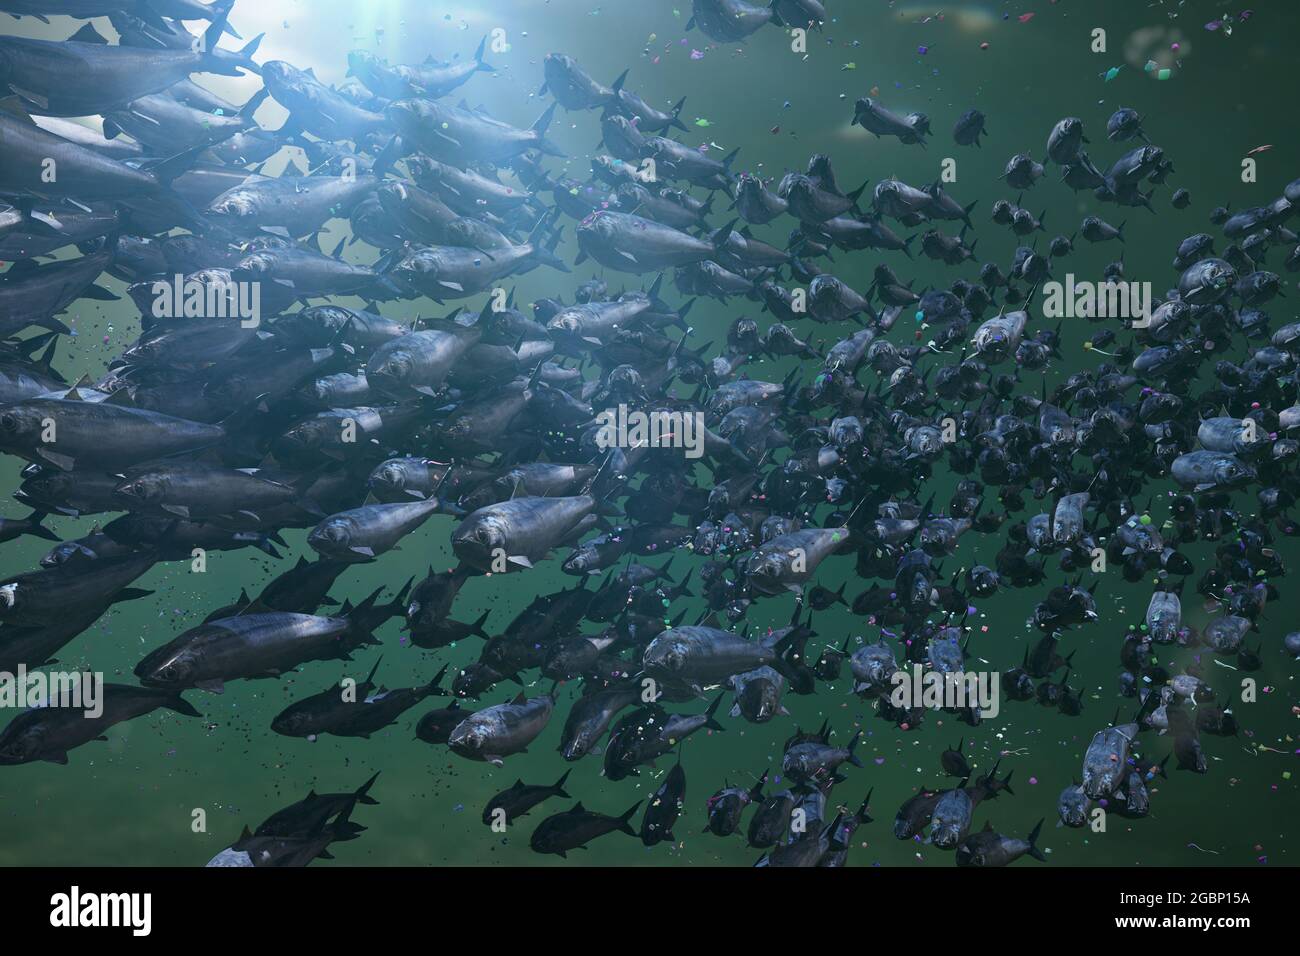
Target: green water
{"type": "Point", "coordinates": [130, 801]}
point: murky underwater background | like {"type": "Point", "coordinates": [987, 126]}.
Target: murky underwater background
{"type": "Point", "coordinates": [129, 801]}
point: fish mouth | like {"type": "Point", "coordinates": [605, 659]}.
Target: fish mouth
{"type": "Point", "coordinates": [393, 478]}
{"type": "Point", "coordinates": [156, 679]}
{"type": "Point", "coordinates": [575, 749]}
{"type": "Point", "coordinates": [1097, 787]}
{"type": "Point", "coordinates": [944, 839]}
{"type": "Point", "coordinates": [288, 728]}
{"type": "Point", "coordinates": [473, 551]}
{"type": "Point", "coordinates": [328, 539]}
{"type": "Point", "coordinates": [466, 743]}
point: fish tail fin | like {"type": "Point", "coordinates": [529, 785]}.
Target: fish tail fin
{"type": "Point", "coordinates": [212, 35]}
{"type": "Point", "coordinates": [710, 722]}
{"type": "Point", "coordinates": [1036, 853]}
{"type": "Point", "coordinates": [625, 820]}
{"type": "Point", "coordinates": [434, 687]}
{"type": "Point", "coordinates": [540, 127]}
{"type": "Point", "coordinates": [863, 816]}
{"type": "Point", "coordinates": [39, 530]}
{"type": "Point", "coordinates": [182, 706]}
{"type": "Point", "coordinates": [677, 112]}
{"type": "Point", "coordinates": [363, 617]}
{"type": "Point", "coordinates": [253, 103]}
{"type": "Point", "coordinates": [362, 793]}
{"type": "Point", "coordinates": [477, 627]}
{"type": "Point", "coordinates": [248, 49]}
{"type": "Point", "coordinates": [756, 791]}
{"type": "Point", "coordinates": [397, 606]}
{"type": "Point", "coordinates": [482, 64]}
{"type": "Point", "coordinates": [388, 155]}
{"type": "Point", "coordinates": [558, 786]}
{"type": "Point", "coordinates": [857, 193]}
{"type": "Point", "coordinates": [853, 745]}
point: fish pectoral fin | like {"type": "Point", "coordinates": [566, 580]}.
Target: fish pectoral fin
{"type": "Point", "coordinates": [43, 103]}
{"type": "Point", "coordinates": [214, 686]}
{"type": "Point", "coordinates": [60, 758]}
{"type": "Point", "coordinates": [179, 510]}
{"type": "Point", "coordinates": [63, 462]}
{"type": "Point", "coordinates": [365, 551]}
{"type": "Point", "coordinates": [521, 560]}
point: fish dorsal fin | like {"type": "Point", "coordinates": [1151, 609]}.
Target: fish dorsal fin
{"type": "Point", "coordinates": [88, 34]}
{"type": "Point", "coordinates": [578, 808]}
{"type": "Point", "coordinates": [520, 698]}
{"type": "Point", "coordinates": [72, 394]}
